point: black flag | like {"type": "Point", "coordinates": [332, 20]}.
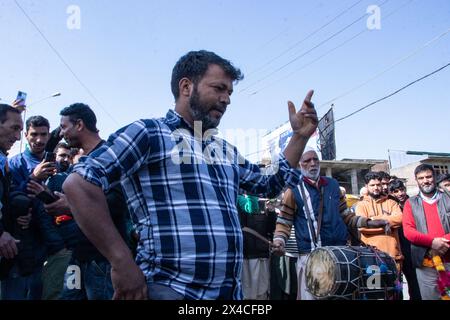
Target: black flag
{"type": "Point", "coordinates": [327, 138]}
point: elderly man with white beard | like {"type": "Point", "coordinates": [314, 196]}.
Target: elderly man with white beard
{"type": "Point", "coordinates": [317, 220]}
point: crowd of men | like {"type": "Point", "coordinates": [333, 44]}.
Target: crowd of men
{"type": "Point", "coordinates": [155, 212]}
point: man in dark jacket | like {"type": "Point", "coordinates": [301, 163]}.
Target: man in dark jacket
{"type": "Point", "coordinates": [23, 280]}
{"type": "Point", "coordinates": [12, 225]}
{"type": "Point", "coordinates": [11, 125]}
{"type": "Point", "coordinates": [397, 192]}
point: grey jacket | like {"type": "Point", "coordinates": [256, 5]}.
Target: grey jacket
{"type": "Point", "coordinates": [417, 252]}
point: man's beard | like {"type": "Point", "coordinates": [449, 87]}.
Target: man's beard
{"type": "Point", "coordinates": [63, 166]}
{"type": "Point", "coordinates": [428, 189]}
{"type": "Point", "coordinates": [375, 196]}
{"type": "Point", "coordinates": [309, 175]}
{"type": "Point", "coordinates": [73, 143]}
{"type": "Point", "coordinates": [200, 112]}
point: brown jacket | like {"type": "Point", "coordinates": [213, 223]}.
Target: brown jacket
{"type": "Point", "coordinates": [386, 209]}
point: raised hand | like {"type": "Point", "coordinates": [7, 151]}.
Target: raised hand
{"type": "Point", "coordinates": [18, 104]}
{"type": "Point", "coordinates": [44, 170]}
{"type": "Point", "coordinates": [304, 122]}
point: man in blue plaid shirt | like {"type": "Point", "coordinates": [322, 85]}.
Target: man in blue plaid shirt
{"type": "Point", "coordinates": [181, 182]}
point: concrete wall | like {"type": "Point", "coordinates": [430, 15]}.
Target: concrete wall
{"type": "Point", "coordinates": [381, 167]}
{"type": "Point", "coordinates": [407, 172]}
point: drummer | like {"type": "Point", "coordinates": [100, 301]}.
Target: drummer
{"type": "Point", "coordinates": [317, 220]}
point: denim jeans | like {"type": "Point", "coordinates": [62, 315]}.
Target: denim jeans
{"type": "Point", "coordinates": [16, 287]}
{"type": "Point", "coordinates": [162, 292]}
{"type": "Point", "coordinates": [87, 281]}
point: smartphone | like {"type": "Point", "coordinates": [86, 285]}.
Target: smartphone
{"type": "Point", "coordinates": [21, 96]}
{"type": "Point", "coordinates": [46, 197]}
{"type": "Point", "coordinates": [49, 156]}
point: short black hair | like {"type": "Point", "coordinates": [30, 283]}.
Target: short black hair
{"type": "Point", "coordinates": [4, 109]}
{"type": "Point", "coordinates": [396, 184]}
{"type": "Point", "coordinates": [81, 111]}
{"type": "Point", "coordinates": [37, 121]}
{"type": "Point", "coordinates": [384, 175]}
{"type": "Point", "coordinates": [424, 167]}
{"type": "Point", "coordinates": [442, 177]}
{"type": "Point", "coordinates": [194, 65]}
{"type": "Point", "coordinates": [62, 145]}
{"type": "Point", "coordinates": [372, 176]}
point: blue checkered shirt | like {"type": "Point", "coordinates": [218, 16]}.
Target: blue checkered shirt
{"type": "Point", "coordinates": [182, 193]}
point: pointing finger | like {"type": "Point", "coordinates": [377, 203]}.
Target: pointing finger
{"type": "Point", "coordinates": [291, 107]}
{"type": "Point", "coordinates": [309, 96]}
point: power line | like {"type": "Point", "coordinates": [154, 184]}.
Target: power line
{"type": "Point", "coordinates": [377, 101]}
{"type": "Point", "coordinates": [306, 65]}
{"type": "Point", "coordinates": [408, 56]}
{"type": "Point", "coordinates": [304, 39]}
{"type": "Point", "coordinates": [261, 47]}
{"type": "Point", "coordinates": [393, 93]}
{"type": "Point", "coordinates": [326, 53]}
{"type": "Point", "coordinates": [64, 62]}
{"type": "Point", "coordinates": [308, 51]}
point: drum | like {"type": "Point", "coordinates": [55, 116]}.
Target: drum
{"type": "Point", "coordinates": [345, 272]}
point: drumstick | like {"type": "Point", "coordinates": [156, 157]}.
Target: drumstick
{"type": "Point", "coordinates": [256, 234]}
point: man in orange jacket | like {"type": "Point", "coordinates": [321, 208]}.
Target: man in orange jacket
{"type": "Point", "coordinates": [377, 206]}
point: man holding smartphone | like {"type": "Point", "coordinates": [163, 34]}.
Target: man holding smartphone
{"type": "Point", "coordinates": [31, 164]}
{"type": "Point", "coordinates": [24, 278]}
{"type": "Point", "coordinates": [20, 101]}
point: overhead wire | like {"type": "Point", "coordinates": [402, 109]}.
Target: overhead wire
{"type": "Point", "coordinates": [304, 39]}
{"type": "Point", "coordinates": [393, 93]}
{"type": "Point", "coordinates": [408, 56]}
{"type": "Point", "coordinates": [326, 53]}
{"type": "Point", "coordinates": [52, 47]}
{"type": "Point", "coordinates": [308, 51]}
{"type": "Point", "coordinates": [374, 102]}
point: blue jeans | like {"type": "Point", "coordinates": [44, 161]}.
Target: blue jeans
{"type": "Point", "coordinates": [87, 281]}
{"type": "Point", "coordinates": [16, 287]}
{"type": "Point", "coordinates": [162, 292]}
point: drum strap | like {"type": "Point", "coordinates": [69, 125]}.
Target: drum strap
{"type": "Point", "coordinates": [315, 233]}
